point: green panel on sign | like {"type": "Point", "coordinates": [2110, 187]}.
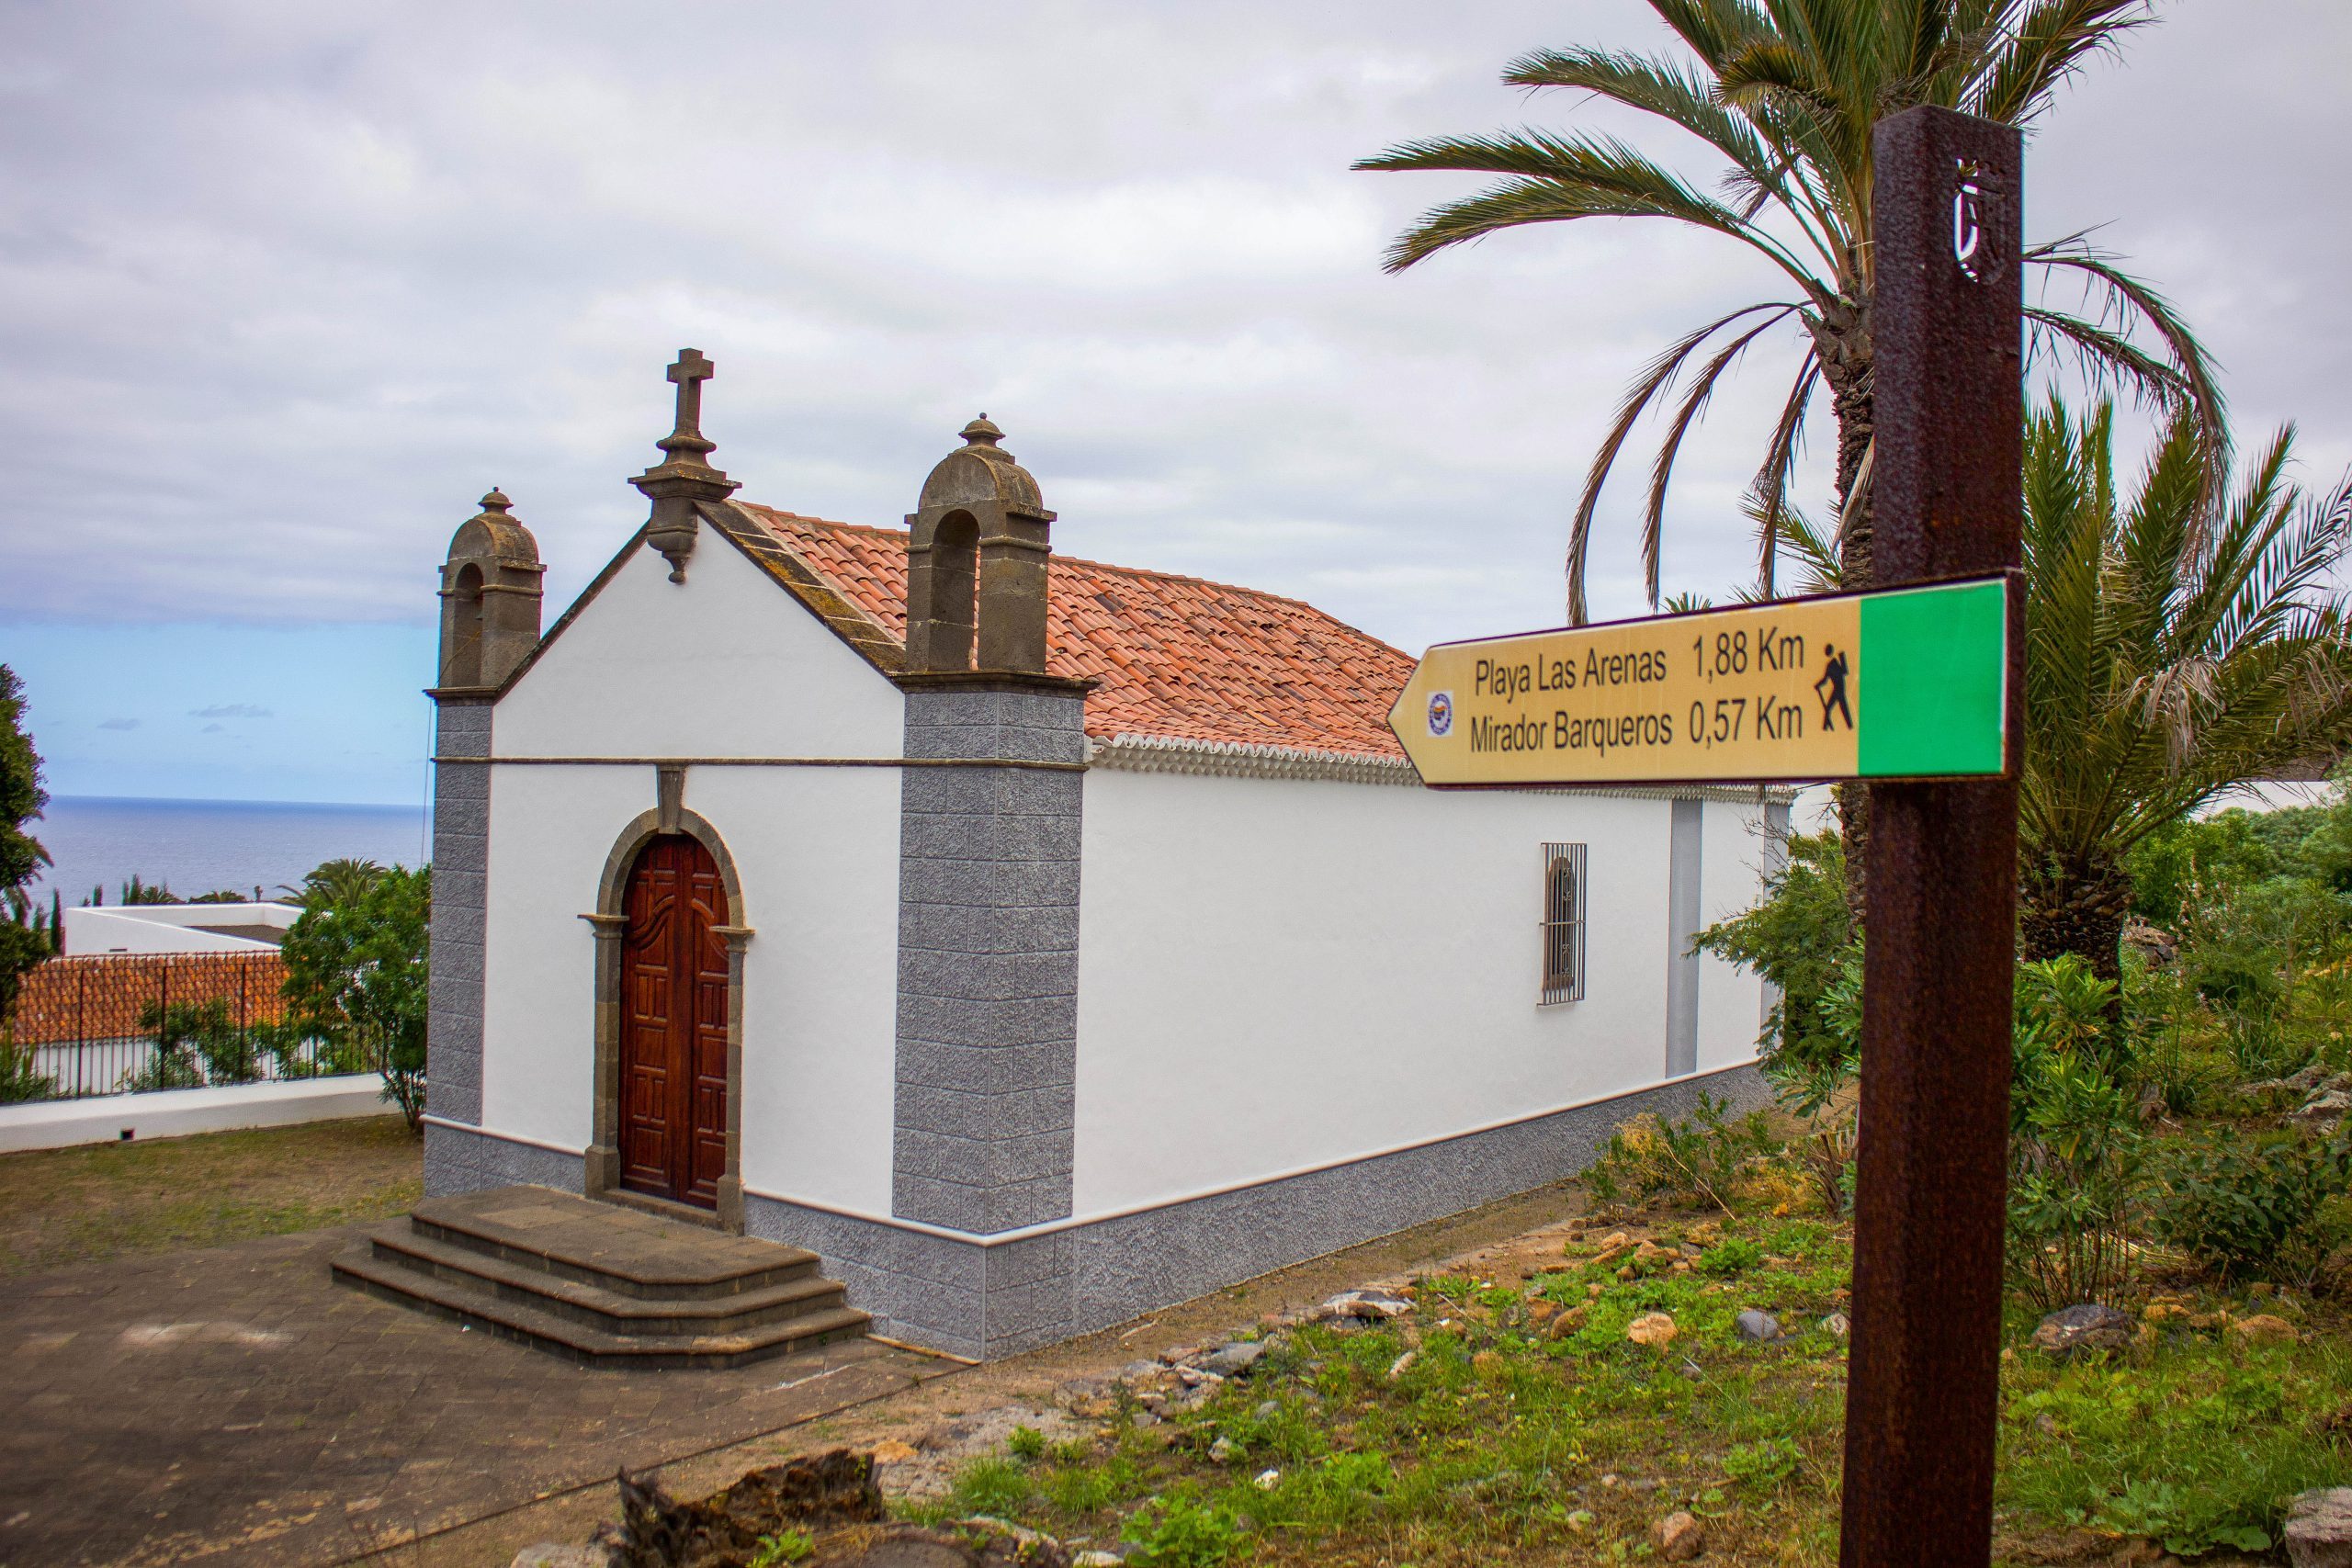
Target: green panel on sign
{"type": "Point", "coordinates": [1932, 670]}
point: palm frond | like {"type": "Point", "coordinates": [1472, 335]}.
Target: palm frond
{"type": "Point", "coordinates": [2134, 302]}
{"type": "Point", "coordinates": [1793, 532]}
{"type": "Point", "coordinates": [1559, 179]}
{"type": "Point", "coordinates": [1712, 30]}
{"type": "Point", "coordinates": [1694, 402]}
{"type": "Point", "coordinates": [2051, 42]}
{"type": "Point", "coordinates": [1655, 378]}
{"type": "Point", "coordinates": [1763, 170]}
{"type": "Point", "coordinates": [1770, 489]}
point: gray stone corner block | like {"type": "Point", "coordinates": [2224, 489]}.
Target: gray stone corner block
{"type": "Point", "coordinates": [986, 884]}
{"type": "Point", "coordinates": [988, 977]}
{"type": "Point", "coordinates": [983, 1068]}
{"type": "Point", "coordinates": [1049, 1112]}
{"type": "Point", "coordinates": [950, 928]}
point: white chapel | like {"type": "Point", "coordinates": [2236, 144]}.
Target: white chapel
{"type": "Point", "coordinates": [1037, 941]}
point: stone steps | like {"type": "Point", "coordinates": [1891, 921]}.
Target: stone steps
{"type": "Point", "coordinates": [601, 1284]}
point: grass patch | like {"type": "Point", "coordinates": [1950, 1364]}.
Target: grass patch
{"type": "Point", "coordinates": [1498, 1441]}
{"type": "Point", "coordinates": [104, 1200]}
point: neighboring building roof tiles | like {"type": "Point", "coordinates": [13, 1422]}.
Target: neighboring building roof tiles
{"type": "Point", "coordinates": [1174, 656]}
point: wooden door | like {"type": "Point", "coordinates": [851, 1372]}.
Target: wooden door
{"type": "Point", "coordinates": [673, 1024]}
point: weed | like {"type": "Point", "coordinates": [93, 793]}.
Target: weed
{"type": "Point", "coordinates": [997, 1487]}
{"type": "Point", "coordinates": [1735, 1254]}
{"type": "Point", "coordinates": [1762, 1466]}
{"type": "Point", "coordinates": [1183, 1532]}
{"type": "Point", "coordinates": [1026, 1443]}
{"type": "Point", "coordinates": [785, 1546]}
{"type": "Point", "coordinates": [1696, 1161]}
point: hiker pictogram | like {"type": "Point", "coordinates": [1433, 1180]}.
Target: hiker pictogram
{"type": "Point", "coordinates": [1833, 675]}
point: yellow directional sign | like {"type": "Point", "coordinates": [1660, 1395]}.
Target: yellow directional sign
{"type": "Point", "coordinates": [1907, 683]}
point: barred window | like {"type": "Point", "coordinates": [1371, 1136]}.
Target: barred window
{"type": "Point", "coordinates": [1563, 923]}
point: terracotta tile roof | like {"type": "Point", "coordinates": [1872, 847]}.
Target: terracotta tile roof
{"type": "Point", "coordinates": [1176, 657]}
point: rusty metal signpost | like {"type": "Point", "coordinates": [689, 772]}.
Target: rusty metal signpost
{"type": "Point", "coordinates": [1915, 687]}
{"type": "Point", "coordinates": [1923, 1384]}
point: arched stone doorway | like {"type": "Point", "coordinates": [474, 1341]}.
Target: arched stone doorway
{"type": "Point", "coordinates": [670, 1020]}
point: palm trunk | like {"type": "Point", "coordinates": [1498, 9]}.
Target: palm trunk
{"type": "Point", "coordinates": [2075, 903]}
{"type": "Point", "coordinates": [1842, 338]}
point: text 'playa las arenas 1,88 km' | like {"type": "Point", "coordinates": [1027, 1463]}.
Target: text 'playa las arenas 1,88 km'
{"type": "Point", "coordinates": [1772, 692]}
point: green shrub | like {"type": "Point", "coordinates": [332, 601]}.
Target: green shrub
{"type": "Point", "coordinates": [355, 972]}
{"type": "Point", "coordinates": [230, 1053]}
{"type": "Point", "coordinates": [2075, 1139]}
{"type": "Point", "coordinates": [1797, 937]}
{"type": "Point", "coordinates": [19, 1081]}
{"type": "Point", "coordinates": [1182, 1532]}
{"type": "Point", "coordinates": [2257, 1208]}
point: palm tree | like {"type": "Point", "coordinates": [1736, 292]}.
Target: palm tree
{"type": "Point", "coordinates": [1786, 92]}
{"type": "Point", "coordinates": [2172, 650]}
{"type": "Point", "coordinates": [336, 881]}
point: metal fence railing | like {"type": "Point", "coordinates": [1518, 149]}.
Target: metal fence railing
{"type": "Point", "coordinates": [116, 1023]}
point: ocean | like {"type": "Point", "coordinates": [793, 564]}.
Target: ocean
{"type": "Point", "coordinates": [197, 846]}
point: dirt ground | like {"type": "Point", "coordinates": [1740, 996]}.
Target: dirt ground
{"type": "Point", "coordinates": [1507, 1241]}
{"type": "Point", "coordinates": [109, 1200]}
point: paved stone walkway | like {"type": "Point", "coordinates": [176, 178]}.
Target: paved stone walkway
{"type": "Point", "coordinates": [232, 1406]}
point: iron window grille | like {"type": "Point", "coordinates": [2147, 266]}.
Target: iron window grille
{"type": "Point", "coordinates": [1563, 923]}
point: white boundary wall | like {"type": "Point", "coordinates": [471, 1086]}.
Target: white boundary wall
{"type": "Point", "coordinates": [171, 927]}
{"type": "Point", "coordinates": [174, 1112]}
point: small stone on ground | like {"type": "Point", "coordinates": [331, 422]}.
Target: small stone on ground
{"type": "Point", "coordinates": [1652, 1328]}
{"type": "Point", "coordinates": [2319, 1529]}
{"type": "Point", "coordinates": [1679, 1537]}
{"type": "Point", "coordinates": [2076, 1330]}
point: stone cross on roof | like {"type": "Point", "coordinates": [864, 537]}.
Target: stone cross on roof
{"type": "Point", "coordinates": [683, 477]}
{"type": "Point", "coordinates": [690, 372]}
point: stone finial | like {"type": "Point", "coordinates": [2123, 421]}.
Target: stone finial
{"type": "Point", "coordinates": [685, 477]}
{"type": "Point", "coordinates": [977, 551]}
{"type": "Point", "coordinates": [490, 598]}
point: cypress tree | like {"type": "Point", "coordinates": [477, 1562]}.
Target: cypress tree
{"type": "Point", "coordinates": [21, 855]}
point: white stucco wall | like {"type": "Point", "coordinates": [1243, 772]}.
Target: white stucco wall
{"type": "Point", "coordinates": [724, 664]}
{"type": "Point", "coordinates": [1731, 1001]}
{"type": "Point", "coordinates": [727, 664]}
{"type": "Point", "coordinates": [1276, 974]}
{"type": "Point", "coordinates": [171, 927]}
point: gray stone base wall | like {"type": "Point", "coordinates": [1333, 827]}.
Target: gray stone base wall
{"type": "Point", "coordinates": [457, 1160]}
{"type": "Point", "coordinates": [986, 1303]}
{"type": "Point", "coordinates": [991, 1301]}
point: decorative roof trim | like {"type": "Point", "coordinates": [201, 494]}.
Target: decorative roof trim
{"type": "Point", "coordinates": [1167, 754]}
{"type": "Point", "coordinates": [1170, 754]}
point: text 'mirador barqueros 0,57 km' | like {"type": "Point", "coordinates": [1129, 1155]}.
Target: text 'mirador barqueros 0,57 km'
{"type": "Point", "coordinates": [1908, 682]}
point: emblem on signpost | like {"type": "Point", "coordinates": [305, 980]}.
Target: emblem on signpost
{"type": "Point", "coordinates": [1441, 713]}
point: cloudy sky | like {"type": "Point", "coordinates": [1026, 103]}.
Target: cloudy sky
{"type": "Point", "coordinates": [285, 287]}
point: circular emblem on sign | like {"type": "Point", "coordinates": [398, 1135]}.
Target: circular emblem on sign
{"type": "Point", "coordinates": [1441, 713]}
